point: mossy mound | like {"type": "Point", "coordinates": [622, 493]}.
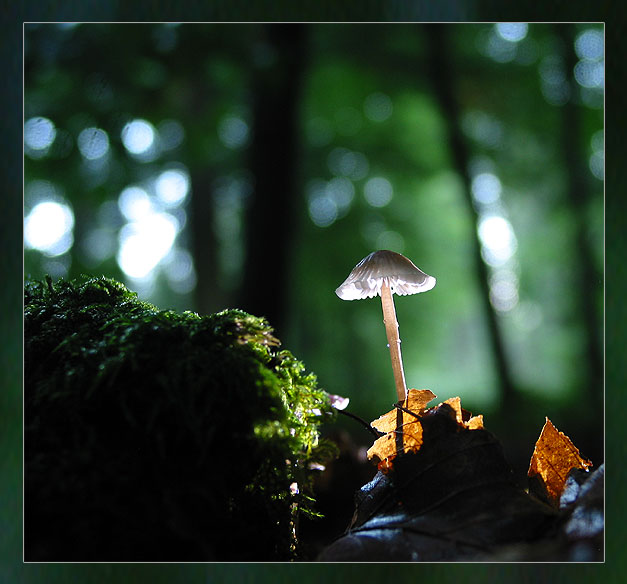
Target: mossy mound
{"type": "Point", "coordinates": [152, 435]}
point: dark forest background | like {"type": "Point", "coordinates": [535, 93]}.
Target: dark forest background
{"type": "Point", "coordinates": [243, 165]}
{"type": "Point", "coordinates": [269, 159]}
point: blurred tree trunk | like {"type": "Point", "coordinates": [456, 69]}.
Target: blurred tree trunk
{"type": "Point", "coordinates": [273, 162]}
{"type": "Point", "coordinates": [442, 78]}
{"type": "Point", "coordinates": [208, 295]}
{"type": "Point", "coordinates": [578, 192]}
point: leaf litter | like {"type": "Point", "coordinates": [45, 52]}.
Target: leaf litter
{"type": "Point", "coordinates": [445, 492]}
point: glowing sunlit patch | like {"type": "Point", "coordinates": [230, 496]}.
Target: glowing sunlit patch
{"type": "Point", "coordinates": [498, 239]}
{"type": "Point", "coordinates": [135, 203]}
{"type": "Point", "coordinates": [172, 187]}
{"type": "Point", "coordinates": [48, 228]}
{"type": "Point", "coordinates": [138, 136]}
{"type": "Point", "coordinates": [144, 243]}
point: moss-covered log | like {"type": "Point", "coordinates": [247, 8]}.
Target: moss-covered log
{"type": "Point", "coordinates": [152, 435]}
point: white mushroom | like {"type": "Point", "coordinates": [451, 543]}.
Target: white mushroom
{"type": "Point", "coordinates": [384, 273]}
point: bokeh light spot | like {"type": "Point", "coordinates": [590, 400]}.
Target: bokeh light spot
{"type": "Point", "coordinates": [39, 133]}
{"type": "Point", "coordinates": [93, 143]}
{"type": "Point", "coordinates": [171, 133]}
{"type": "Point", "coordinates": [378, 107]}
{"type": "Point", "coordinates": [378, 191]}
{"type": "Point", "coordinates": [498, 239]}
{"type": "Point", "coordinates": [589, 45]}
{"type": "Point", "coordinates": [144, 243]}
{"type": "Point", "coordinates": [344, 162]}
{"type": "Point", "coordinates": [597, 164]}
{"type": "Point", "coordinates": [138, 136]}
{"type": "Point", "coordinates": [135, 203]}
{"type": "Point", "coordinates": [233, 132]}
{"type": "Point", "coordinates": [322, 210]}
{"type": "Point", "coordinates": [504, 290]}
{"type": "Point", "coordinates": [179, 269]}
{"type": "Point", "coordinates": [341, 191]}
{"type": "Point", "coordinates": [48, 228]}
{"type": "Point", "coordinates": [553, 80]}
{"type": "Point", "coordinates": [512, 31]}
{"type": "Point", "coordinates": [38, 191]}
{"type": "Point", "coordinates": [486, 188]}
{"type": "Point", "coordinates": [172, 187]}
{"type": "Point", "coordinates": [498, 48]}
{"type": "Point", "coordinates": [589, 74]}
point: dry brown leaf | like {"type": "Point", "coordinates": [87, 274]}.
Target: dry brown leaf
{"type": "Point", "coordinates": [553, 458]}
{"type": "Point", "coordinates": [463, 417]}
{"type": "Point", "coordinates": [415, 401]}
{"type": "Point", "coordinates": [387, 447]}
{"type": "Point", "coordinates": [403, 430]}
{"type": "Point", "coordinates": [456, 404]}
{"type": "Point", "coordinates": [475, 423]}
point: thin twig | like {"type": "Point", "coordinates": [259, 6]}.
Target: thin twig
{"type": "Point", "coordinates": [372, 430]}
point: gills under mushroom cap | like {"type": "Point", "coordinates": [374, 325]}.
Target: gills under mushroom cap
{"type": "Point", "coordinates": [368, 275]}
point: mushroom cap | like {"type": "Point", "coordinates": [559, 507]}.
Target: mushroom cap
{"type": "Point", "coordinates": [367, 277]}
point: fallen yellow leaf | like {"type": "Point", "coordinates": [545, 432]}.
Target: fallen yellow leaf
{"type": "Point", "coordinates": [553, 457]}
{"type": "Point", "coordinates": [415, 402]}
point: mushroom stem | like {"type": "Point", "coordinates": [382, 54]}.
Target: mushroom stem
{"type": "Point", "coordinates": [394, 341]}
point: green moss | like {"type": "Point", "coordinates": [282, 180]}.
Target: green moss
{"type": "Point", "coordinates": [153, 435]}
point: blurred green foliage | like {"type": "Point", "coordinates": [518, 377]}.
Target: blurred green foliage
{"type": "Point", "coordinates": [367, 111]}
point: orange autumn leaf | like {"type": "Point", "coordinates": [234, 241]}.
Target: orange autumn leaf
{"type": "Point", "coordinates": [475, 423]}
{"type": "Point", "coordinates": [387, 447]}
{"type": "Point", "coordinates": [415, 401]}
{"type": "Point", "coordinates": [404, 431]}
{"type": "Point", "coordinates": [456, 404]}
{"type": "Point", "coordinates": [553, 458]}
{"type": "Point", "coordinates": [463, 417]}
